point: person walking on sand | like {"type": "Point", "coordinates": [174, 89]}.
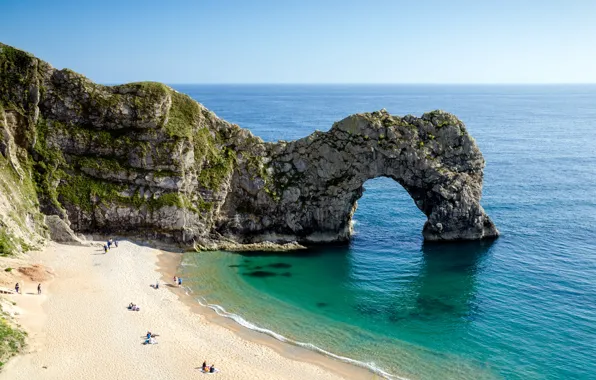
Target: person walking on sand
{"type": "Point", "coordinates": [39, 289]}
{"type": "Point", "coordinates": [109, 242]}
{"type": "Point", "coordinates": [16, 288]}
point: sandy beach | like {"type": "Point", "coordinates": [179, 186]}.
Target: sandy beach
{"type": "Point", "coordinates": [80, 326]}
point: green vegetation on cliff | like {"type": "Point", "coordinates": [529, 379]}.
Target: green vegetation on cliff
{"type": "Point", "coordinates": [21, 223]}
{"type": "Point", "coordinates": [86, 150]}
{"type": "Point", "coordinates": [7, 244]}
{"type": "Point", "coordinates": [16, 72]}
{"type": "Point", "coordinates": [87, 193]}
{"type": "Point", "coordinates": [184, 115]}
{"type": "Point", "coordinates": [12, 340]}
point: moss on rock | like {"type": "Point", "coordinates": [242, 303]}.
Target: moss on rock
{"type": "Point", "coordinates": [184, 115]}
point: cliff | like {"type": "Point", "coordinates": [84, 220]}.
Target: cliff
{"type": "Point", "coordinates": [144, 159]}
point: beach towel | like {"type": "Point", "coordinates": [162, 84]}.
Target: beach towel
{"type": "Point", "coordinates": [209, 373]}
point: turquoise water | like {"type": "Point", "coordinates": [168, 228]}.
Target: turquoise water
{"type": "Point", "coordinates": [522, 307]}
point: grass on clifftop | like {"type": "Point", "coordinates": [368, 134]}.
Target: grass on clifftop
{"type": "Point", "coordinates": [12, 340]}
{"type": "Point", "coordinates": [15, 72]}
{"type": "Point", "coordinates": [184, 115]}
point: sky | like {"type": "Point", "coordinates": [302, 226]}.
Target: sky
{"type": "Point", "coordinates": [325, 41]}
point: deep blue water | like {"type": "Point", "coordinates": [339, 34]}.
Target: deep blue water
{"type": "Point", "coordinates": [522, 307]}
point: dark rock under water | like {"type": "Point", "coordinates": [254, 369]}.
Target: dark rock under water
{"type": "Point", "coordinates": [260, 273]}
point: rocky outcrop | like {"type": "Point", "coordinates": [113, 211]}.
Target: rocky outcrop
{"type": "Point", "coordinates": [144, 159]}
{"type": "Point", "coordinates": [61, 232]}
{"type": "Point", "coordinates": [308, 188]}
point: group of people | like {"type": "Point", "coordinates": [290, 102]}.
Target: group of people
{"type": "Point", "coordinates": [206, 368]}
{"type": "Point", "coordinates": [17, 288]}
{"type": "Point", "coordinates": [150, 337]}
{"type": "Point", "coordinates": [133, 307]}
{"type": "Point", "coordinates": [108, 245]}
{"type": "Point", "coordinates": [177, 281]}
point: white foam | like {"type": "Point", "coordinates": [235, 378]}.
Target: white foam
{"type": "Point", "coordinates": [243, 322]}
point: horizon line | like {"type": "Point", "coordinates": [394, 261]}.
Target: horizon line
{"type": "Point", "coordinates": [360, 84]}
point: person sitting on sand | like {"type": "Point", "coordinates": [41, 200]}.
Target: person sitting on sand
{"type": "Point", "coordinates": [204, 366]}
{"type": "Point", "coordinates": [133, 307]}
{"type": "Point", "coordinates": [150, 341]}
{"type": "Point", "coordinates": [212, 369]}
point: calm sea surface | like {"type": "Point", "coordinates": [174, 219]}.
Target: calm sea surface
{"type": "Point", "coordinates": [522, 307]}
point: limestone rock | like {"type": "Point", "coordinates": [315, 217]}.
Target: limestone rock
{"type": "Point", "coordinates": [60, 231]}
{"type": "Point", "coordinates": [143, 159]}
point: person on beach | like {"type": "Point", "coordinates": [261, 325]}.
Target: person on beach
{"type": "Point", "coordinates": [175, 280]}
{"type": "Point", "coordinates": [157, 284]}
{"type": "Point", "coordinates": [133, 307]}
{"type": "Point", "coordinates": [179, 281]}
{"type": "Point", "coordinates": [109, 243]}
{"type": "Point", "coordinates": [204, 367]}
{"type": "Point", "coordinates": [116, 243]}
{"type": "Point", "coordinates": [212, 369]}
{"type": "Point", "coordinates": [39, 289]}
{"type": "Point", "coordinates": [105, 249]}
{"type": "Point", "coordinates": [16, 288]}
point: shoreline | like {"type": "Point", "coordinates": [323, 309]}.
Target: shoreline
{"type": "Point", "coordinates": [168, 263]}
{"type": "Point", "coordinates": [80, 327]}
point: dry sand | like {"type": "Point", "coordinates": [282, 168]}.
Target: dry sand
{"type": "Point", "coordinates": [80, 328]}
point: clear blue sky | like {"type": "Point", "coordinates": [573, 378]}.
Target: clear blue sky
{"type": "Point", "coordinates": [287, 41]}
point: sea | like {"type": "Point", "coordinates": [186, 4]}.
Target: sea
{"type": "Point", "coordinates": [520, 307]}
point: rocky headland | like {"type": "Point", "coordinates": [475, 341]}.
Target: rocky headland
{"type": "Point", "coordinates": [146, 160]}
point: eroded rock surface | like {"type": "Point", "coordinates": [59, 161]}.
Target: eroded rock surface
{"type": "Point", "coordinates": [144, 159]}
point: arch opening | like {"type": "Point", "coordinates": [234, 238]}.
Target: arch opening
{"type": "Point", "coordinates": [386, 214]}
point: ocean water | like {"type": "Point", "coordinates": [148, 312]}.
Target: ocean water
{"type": "Point", "coordinates": [521, 307]}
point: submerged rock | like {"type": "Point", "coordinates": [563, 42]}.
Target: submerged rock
{"type": "Point", "coordinates": [144, 159]}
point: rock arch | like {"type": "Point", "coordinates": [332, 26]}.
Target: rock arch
{"type": "Point", "coordinates": [307, 190]}
{"type": "Point", "coordinates": [144, 159]}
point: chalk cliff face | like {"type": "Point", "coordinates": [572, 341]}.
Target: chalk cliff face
{"type": "Point", "coordinates": [144, 159]}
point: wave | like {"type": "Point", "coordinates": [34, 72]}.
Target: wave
{"type": "Point", "coordinates": [219, 310]}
